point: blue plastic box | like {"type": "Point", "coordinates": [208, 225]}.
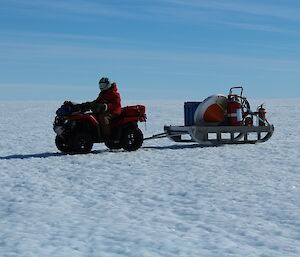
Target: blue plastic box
{"type": "Point", "coordinates": [189, 111]}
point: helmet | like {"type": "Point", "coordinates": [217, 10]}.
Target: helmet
{"type": "Point", "coordinates": [104, 84]}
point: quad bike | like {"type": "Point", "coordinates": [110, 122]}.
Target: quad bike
{"type": "Point", "coordinates": [77, 129]}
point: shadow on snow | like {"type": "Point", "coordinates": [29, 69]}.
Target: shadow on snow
{"type": "Point", "coordinates": [48, 154]}
{"type": "Point", "coordinates": [178, 147]}
{"type": "Point", "coordinates": [41, 155]}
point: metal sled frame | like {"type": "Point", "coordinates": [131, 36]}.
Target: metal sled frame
{"type": "Point", "coordinates": [214, 135]}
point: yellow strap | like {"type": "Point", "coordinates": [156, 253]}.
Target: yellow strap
{"type": "Point", "coordinates": [222, 108]}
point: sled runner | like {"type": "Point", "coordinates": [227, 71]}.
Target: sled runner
{"type": "Point", "coordinates": [216, 135]}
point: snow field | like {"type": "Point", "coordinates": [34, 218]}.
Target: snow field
{"type": "Point", "coordinates": [166, 199]}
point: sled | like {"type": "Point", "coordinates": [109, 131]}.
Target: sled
{"type": "Point", "coordinates": [218, 135]}
{"type": "Point", "coordinates": [219, 120]}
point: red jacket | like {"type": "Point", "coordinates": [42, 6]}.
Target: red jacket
{"type": "Point", "coordinates": [112, 98]}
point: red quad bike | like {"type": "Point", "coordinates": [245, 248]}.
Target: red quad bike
{"type": "Point", "coordinates": [78, 130]}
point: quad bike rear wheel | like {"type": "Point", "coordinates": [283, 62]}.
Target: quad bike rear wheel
{"type": "Point", "coordinates": [132, 139]}
{"type": "Point", "coordinates": [63, 144]}
{"type": "Point", "coordinates": [82, 143]}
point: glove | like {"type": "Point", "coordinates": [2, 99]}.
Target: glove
{"type": "Point", "coordinates": [99, 108]}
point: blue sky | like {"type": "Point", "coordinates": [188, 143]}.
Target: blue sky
{"type": "Point", "coordinates": [158, 49]}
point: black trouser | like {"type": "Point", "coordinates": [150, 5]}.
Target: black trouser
{"type": "Point", "coordinates": [104, 120]}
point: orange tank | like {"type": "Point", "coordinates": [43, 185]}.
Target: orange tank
{"type": "Point", "coordinates": [214, 113]}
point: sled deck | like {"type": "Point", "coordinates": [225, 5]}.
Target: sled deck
{"type": "Point", "coordinates": [218, 135]}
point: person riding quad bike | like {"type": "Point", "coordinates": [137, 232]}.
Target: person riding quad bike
{"type": "Point", "coordinates": [79, 126]}
{"type": "Point", "coordinates": [107, 106]}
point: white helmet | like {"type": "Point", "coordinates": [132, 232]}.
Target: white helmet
{"type": "Point", "coordinates": [104, 84]}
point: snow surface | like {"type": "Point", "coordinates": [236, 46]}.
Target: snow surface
{"type": "Point", "coordinates": [166, 199]}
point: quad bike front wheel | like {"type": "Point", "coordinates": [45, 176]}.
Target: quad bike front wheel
{"type": "Point", "coordinates": [132, 139]}
{"type": "Point", "coordinates": [82, 143]}
{"type": "Point", "coordinates": [63, 144]}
